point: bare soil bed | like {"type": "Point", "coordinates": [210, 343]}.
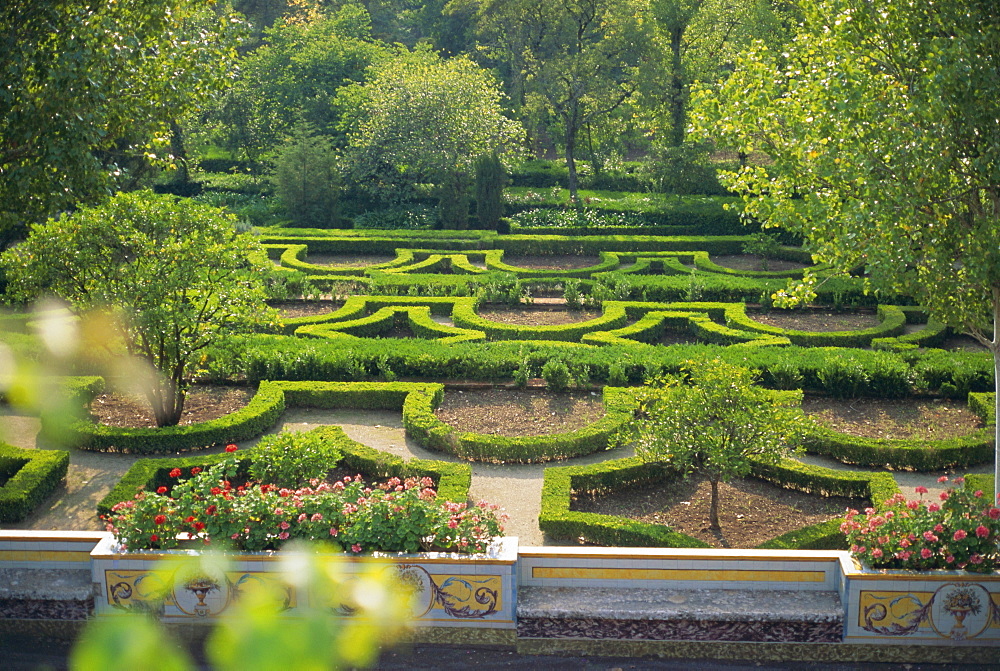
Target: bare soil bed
{"type": "Point", "coordinates": [750, 511]}
{"type": "Point", "coordinates": [536, 317]}
{"type": "Point", "coordinates": [817, 320]}
{"type": "Point", "coordinates": [303, 308]}
{"type": "Point", "coordinates": [554, 262]}
{"type": "Point", "coordinates": [916, 419]}
{"type": "Point", "coordinates": [204, 402]}
{"type": "Point", "coordinates": [754, 262]}
{"type": "Point", "coordinates": [348, 260]}
{"type": "Point", "coordinates": [520, 412]}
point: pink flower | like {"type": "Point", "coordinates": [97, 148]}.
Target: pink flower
{"type": "Point", "coordinates": [316, 517]}
{"type": "Point", "coordinates": [978, 494]}
{"type": "Point", "coordinates": [976, 559]}
{"type": "Point", "coordinates": [960, 480]}
{"type": "Point", "coordinates": [303, 517]}
{"type": "Point", "coordinates": [284, 525]}
{"type": "Point", "coordinates": [933, 507]}
{"type": "Point", "coordinates": [876, 552]}
{"type": "Point", "coordinates": [333, 531]}
{"type": "Point", "coordinates": [943, 478]}
{"type": "Point", "coordinates": [921, 490]}
{"type": "Point", "coordinates": [905, 543]}
{"type": "Point", "coordinates": [452, 524]}
{"type": "Point", "coordinates": [356, 548]}
{"type": "Point", "coordinates": [994, 513]}
{"type": "Point", "coordinates": [925, 553]}
{"type": "Point", "coordinates": [930, 537]}
{"type": "Point", "coordinates": [950, 558]}
{"type": "Point", "coordinates": [912, 505]}
{"type": "Point", "coordinates": [938, 528]}
{"type": "Point", "coordinates": [982, 532]}
{"type": "Point", "coordinates": [943, 496]}
{"type": "Point", "coordinates": [235, 536]}
{"type": "Point", "coordinates": [283, 536]}
{"type": "Point", "coordinates": [960, 534]}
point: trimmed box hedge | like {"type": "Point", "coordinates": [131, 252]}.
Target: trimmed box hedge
{"type": "Point", "coordinates": [561, 484]}
{"type": "Point", "coordinates": [31, 477]}
{"type": "Point", "coordinates": [424, 426]}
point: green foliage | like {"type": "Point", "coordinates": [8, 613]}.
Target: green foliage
{"type": "Point", "coordinates": [306, 179]}
{"type": "Point", "coordinates": [683, 170]}
{"type": "Point", "coordinates": [556, 375]}
{"type": "Point", "coordinates": [490, 180]}
{"type": "Point", "coordinates": [29, 476]}
{"type": "Point", "coordinates": [291, 460]}
{"type": "Point", "coordinates": [714, 422]}
{"type": "Point", "coordinates": [178, 273]}
{"type": "Point", "coordinates": [765, 245]}
{"type": "Point", "coordinates": [90, 91]}
{"type": "Point", "coordinates": [419, 119]}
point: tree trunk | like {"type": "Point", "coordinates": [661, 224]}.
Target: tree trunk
{"type": "Point", "coordinates": [182, 175]}
{"type": "Point", "coordinates": [574, 181]}
{"type": "Point", "coordinates": [167, 402]}
{"type": "Point", "coordinates": [713, 515]}
{"type": "Point", "coordinates": [677, 103]}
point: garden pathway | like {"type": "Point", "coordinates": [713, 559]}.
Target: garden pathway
{"type": "Point", "coordinates": [516, 487]}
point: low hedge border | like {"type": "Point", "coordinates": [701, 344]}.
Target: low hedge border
{"type": "Point", "coordinates": [609, 261]}
{"type": "Point", "coordinates": [919, 455]}
{"type": "Point", "coordinates": [704, 263]}
{"type": "Point", "coordinates": [892, 322]}
{"type": "Point", "coordinates": [424, 426]}
{"type": "Point", "coordinates": [651, 327]}
{"type": "Point", "coordinates": [260, 414]}
{"type": "Point", "coordinates": [357, 308]}
{"type": "Point", "coordinates": [32, 475]}
{"type": "Point", "coordinates": [452, 479]}
{"type": "Point", "coordinates": [418, 319]}
{"type": "Point", "coordinates": [562, 483]}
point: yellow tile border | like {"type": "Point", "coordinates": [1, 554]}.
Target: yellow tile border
{"type": "Point", "coordinates": [277, 557]}
{"type": "Point", "coordinates": [44, 556]}
{"type": "Point", "coordinates": [729, 575]}
{"type": "Point", "coordinates": [28, 536]}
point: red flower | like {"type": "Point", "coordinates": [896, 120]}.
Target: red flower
{"type": "Point", "coordinates": [943, 496]}
{"type": "Point", "coordinates": [161, 490]}
{"type": "Point", "coordinates": [195, 471]}
{"type": "Point", "coordinates": [198, 526]}
{"type": "Point", "coordinates": [981, 531]}
{"type": "Point", "coordinates": [190, 518]}
{"type": "Point", "coordinates": [231, 448]}
{"type": "Point", "coordinates": [160, 519]}
{"type": "Point", "coordinates": [355, 548]}
{"type": "Point", "coordinates": [154, 538]}
{"type": "Point", "coordinates": [921, 490]}
{"type": "Point", "coordinates": [994, 513]}
{"type": "Point", "coordinates": [175, 473]}
{"type": "Point", "coordinates": [925, 553]}
{"type": "Point", "coordinates": [960, 534]}
{"type": "Point", "coordinates": [211, 509]}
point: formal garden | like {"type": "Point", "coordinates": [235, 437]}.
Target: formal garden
{"type": "Point", "coordinates": [411, 278]}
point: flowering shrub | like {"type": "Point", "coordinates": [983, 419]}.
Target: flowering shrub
{"type": "Point", "coordinates": [960, 530]}
{"type": "Point", "coordinates": [395, 516]}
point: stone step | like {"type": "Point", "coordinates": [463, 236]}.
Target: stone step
{"type": "Point", "coordinates": [689, 615]}
{"type": "Point", "coordinates": [46, 594]}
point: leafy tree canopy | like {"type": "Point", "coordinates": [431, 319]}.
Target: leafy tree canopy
{"type": "Point", "coordinates": [714, 421]}
{"type": "Point", "coordinates": [883, 123]}
{"type": "Point", "coordinates": [87, 85]}
{"type": "Point", "coordinates": [177, 273]}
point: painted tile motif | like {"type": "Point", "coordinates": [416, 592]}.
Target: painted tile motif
{"type": "Point", "coordinates": [201, 595]}
{"type": "Point", "coordinates": [956, 611]}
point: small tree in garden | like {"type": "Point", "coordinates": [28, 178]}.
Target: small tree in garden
{"type": "Point", "coordinates": [490, 177]}
{"type": "Point", "coordinates": [306, 179]}
{"type": "Point", "coordinates": [715, 421]}
{"type": "Point", "coordinates": [177, 273]}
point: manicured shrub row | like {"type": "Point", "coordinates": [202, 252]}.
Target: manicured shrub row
{"type": "Point", "coordinates": [562, 484]}
{"type": "Point", "coordinates": [31, 475]}
{"type": "Point", "coordinates": [290, 256]}
{"type": "Point", "coordinates": [260, 414]}
{"type": "Point", "coordinates": [919, 455]}
{"type": "Point", "coordinates": [512, 244]}
{"type": "Point", "coordinates": [687, 284]}
{"type": "Point", "coordinates": [892, 322]}
{"type": "Point", "coordinates": [464, 316]}
{"type": "Point", "coordinates": [424, 426]}
{"type": "Point", "coordinates": [836, 371]}
{"type": "Point", "coordinates": [953, 373]}
{"type": "Point", "coordinates": [452, 479]}
{"type": "Point", "coordinates": [984, 405]}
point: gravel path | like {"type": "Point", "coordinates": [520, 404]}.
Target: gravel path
{"type": "Point", "coordinates": [517, 487]}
